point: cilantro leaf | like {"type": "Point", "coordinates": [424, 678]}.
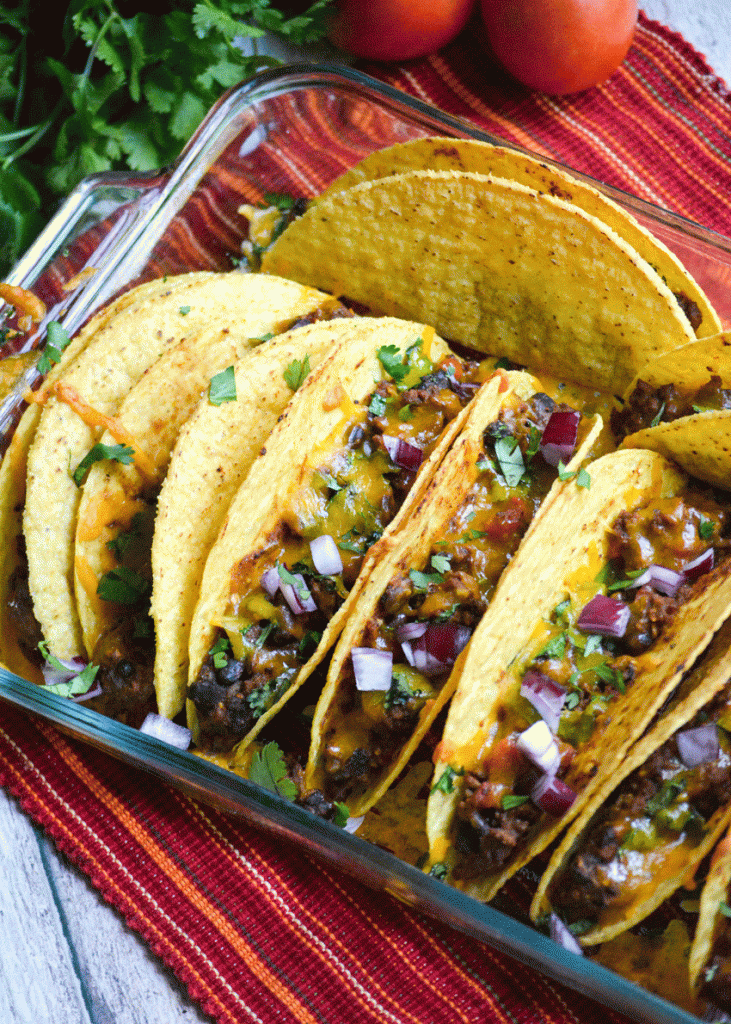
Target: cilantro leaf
{"type": "Point", "coordinates": [222, 387]}
{"type": "Point", "coordinates": [269, 771]}
{"type": "Point", "coordinates": [657, 418]}
{"type": "Point", "coordinates": [123, 586]}
{"type": "Point", "coordinates": [56, 341]}
{"type": "Point", "coordinates": [510, 458]}
{"type": "Point", "coordinates": [76, 685]}
{"type": "Point", "coordinates": [439, 870]}
{"type": "Point", "coordinates": [440, 563]}
{"type": "Point", "coordinates": [391, 359]}
{"type": "Point", "coordinates": [445, 782]}
{"type": "Point", "coordinates": [421, 580]}
{"type": "Point", "coordinates": [511, 800]}
{"type": "Point", "coordinates": [120, 545]}
{"type": "Point", "coordinates": [117, 452]}
{"type": "Point", "coordinates": [296, 373]}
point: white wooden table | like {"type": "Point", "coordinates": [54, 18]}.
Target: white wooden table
{"type": "Point", "coordinates": [65, 956]}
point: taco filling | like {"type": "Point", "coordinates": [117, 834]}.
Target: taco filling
{"type": "Point", "coordinates": [426, 615]}
{"type": "Point", "coordinates": [283, 596]}
{"type": "Point", "coordinates": [589, 656]}
{"type": "Point", "coordinates": [648, 406]}
{"type": "Point", "coordinates": [647, 831]}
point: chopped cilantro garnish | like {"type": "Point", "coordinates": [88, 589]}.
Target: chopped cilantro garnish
{"type": "Point", "coordinates": [281, 200]}
{"type": "Point", "coordinates": [534, 443]}
{"type": "Point", "coordinates": [56, 341]}
{"type": "Point", "coordinates": [406, 413]}
{"type": "Point", "coordinates": [74, 687]}
{"type": "Point", "coordinates": [222, 387]}
{"type": "Point", "coordinates": [377, 405]}
{"type": "Point", "coordinates": [572, 700]}
{"type": "Point", "coordinates": [511, 800]}
{"type": "Point", "coordinates": [581, 927]}
{"type": "Point", "coordinates": [261, 699]}
{"type": "Point", "coordinates": [665, 795]}
{"type": "Point", "coordinates": [299, 585]}
{"type": "Point", "coordinates": [484, 463]}
{"type": "Point", "coordinates": [308, 642]}
{"type": "Point", "coordinates": [561, 609]}
{"type": "Point", "coordinates": [627, 583]}
{"type": "Point", "coordinates": [421, 580]}
{"type": "Point", "coordinates": [120, 545]}
{"type": "Point", "coordinates": [440, 563]}
{"type": "Point", "coordinates": [297, 372]}
{"type": "Point", "coordinates": [439, 871]}
{"type": "Point", "coordinates": [220, 651]}
{"type": "Point", "coordinates": [184, 310]}
{"type": "Point", "coordinates": [705, 529]}
{"type": "Point", "coordinates": [391, 359]}
{"type": "Point", "coordinates": [612, 676]}
{"type": "Point", "coordinates": [445, 782]}
{"type": "Point", "coordinates": [341, 815]}
{"type": "Point", "coordinates": [592, 645]}
{"type": "Point", "coordinates": [582, 477]}
{"type": "Point", "coordinates": [117, 452]}
{"type": "Point", "coordinates": [555, 648]}
{"type": "Point", "coordinates": [263, 337]}
{"type": "Point", "coordinates": [657, 418]}
{"type": "Point", "coordinates": [503, 364]}
{"type": "Point", "coordinates": [724, 909]}
{"type": "Point", "coordinates": [510, 457]}
{"type": "Point", "coordinates": [122, 586]}
{"type": "Point", "coordinates": [269, 770]}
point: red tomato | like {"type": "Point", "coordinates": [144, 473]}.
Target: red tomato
{"type": "Point", "coordinates": [396, 29]}
{"type": "Point", "coordinates": [560, 46]}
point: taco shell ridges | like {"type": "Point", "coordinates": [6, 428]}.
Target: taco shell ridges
{"type": "Point", "coordinates": [465, 252]}
{"type": "Point", "coordinates": [471, 155]}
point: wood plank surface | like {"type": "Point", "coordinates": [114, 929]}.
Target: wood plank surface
{"type": "Point", "coordinates": [67, 957]}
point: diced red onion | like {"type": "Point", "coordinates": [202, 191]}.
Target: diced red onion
{"type": "Point", "coordinates": [325, 555]}
{"type": "Point", "coordinates": [403, 453]}
{"type": "Point", "coordinates": [699, 745]}
{"type": "Point", "coordinates": [558, 440]}
{"type": "Point", "coordinates": [298, 597]}
{"type": "Point", "coordinates": [353, 824]}
{"type": "Point", "coordinates": [546, 696]}
{"type": "Point", "coordinates": [96, 691]}
{"type": "Point", "coordinates": [607, 616]}
{"type": "Point", "coordinates": [411, 630]}
{"type": "Point", "coordinates": [72, 667]}
{"type": "Point", "coordinates": [270, 581]}
{"type": "Point", "coordinates": [561, 934]}
{"type": "Point", "coordinates": [372, 667]}
{"type": "Point", "coordinates": [666, 581]}
{"type": "Point", "coordinates": [169, 732]}
{"type": "Point", "coordinates": [552, 795]}
{"type": "Point", "coordinates": [539, 746]}
{"type": "Point", "coordinates": [436, 650]}
{"type": "Point", "coordinates": [700, 565]}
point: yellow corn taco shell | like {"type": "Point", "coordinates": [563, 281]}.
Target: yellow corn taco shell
{"type": "Point", "coordinates": [711, 918]}
{"type": "Point", "coordinates": [212, 456]}
{"type": "Point", "coordinates": [494, 265]}
{"type": "Point", "coordinates": [701, 442]}
{"type": "Point", "coordinates": [671, 859]}
{"type": "Point", "coordinates": [14, 463]}
{"type": "Point", "coordinates": [445, 154]}
{"type": "Point", "coordinates": [90, 392]}
{"type": "Point", "coordinates": [517, 627]}
{"type": "Point", "coordinates": [339, 716]}
{"type": "Point", "coordinates": [278, 487]}
{"type": "Point", "coordinates": [149, 419]}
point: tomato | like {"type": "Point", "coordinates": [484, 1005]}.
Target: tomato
{"type": "Point", "coordinates": [396, 29]}
{"type": "Point", "coordinates": [560, 46]}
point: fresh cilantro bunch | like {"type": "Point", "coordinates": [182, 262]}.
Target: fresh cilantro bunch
{"type": "Point", "coordinates": [100, 85]}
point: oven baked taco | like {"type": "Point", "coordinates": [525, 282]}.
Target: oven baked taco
{"type": "Point", "coordinates": [492, 264]}
{"type": "Point", "coordinates": [15, 607]}
{"type": "Point", "coordinates": [396, 663]}
{"type": "Point", "coordinates": [350, 455]}
{"type": "Point", "coordinates": [680, 406]}
{"type": "Point", "coordinates": [85, 399]}
{"type": "Point", "coordinates": [573, 659]}
{"type": "Point", "coordinates": [211, 458]}
{"type": "Point", "coordinates": [647, 829]}
{"type": "Point", "coordinates": [445, 154]}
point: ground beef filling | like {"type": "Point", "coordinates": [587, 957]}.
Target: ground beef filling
{"type": "Point", "coordinates": [648, 406]}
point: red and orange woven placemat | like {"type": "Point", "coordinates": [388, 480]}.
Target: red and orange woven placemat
{"type": "Point", "coordinates": [258, 933]}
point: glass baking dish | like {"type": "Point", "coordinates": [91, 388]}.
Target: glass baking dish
{"type": "Point", "coordinates": [291, 130]}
